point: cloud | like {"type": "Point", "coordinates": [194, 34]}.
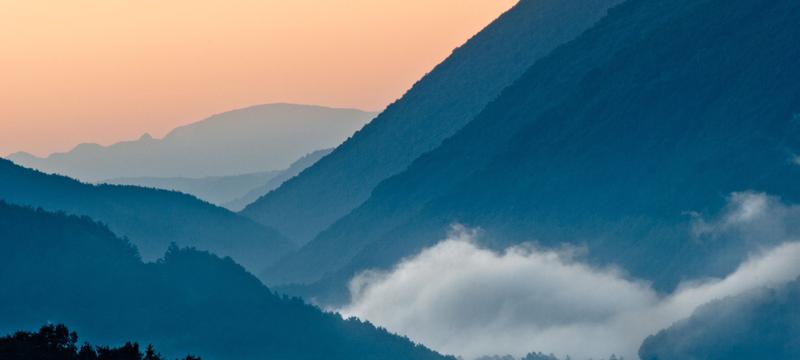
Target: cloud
{"type": "Point", "coordinates": [752, 215]}
{"type": "Point", "coordinates": [459, 298]}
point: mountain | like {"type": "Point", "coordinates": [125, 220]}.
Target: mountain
{"type": "Point", "coordinates": [432, 110]}
{"type": "Point", "coordinates": [217, 190]}
{"type": "Point", "coordinates": [151, 219]}
{"type": "Point", "coordinates": [245, 141]}
{"type": "Point", "coordinates": [610, 143]}
{"type": "Point", "coordinates": [231, 192]}
{"type": "Point", "coordinates": [761, 325]}
{"type": "Point", "coordinates": [68, 269]}
{"type": "Point", "coordinates": [293, 170]}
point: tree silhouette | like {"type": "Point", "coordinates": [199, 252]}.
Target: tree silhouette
{"type": "Point", "coordinates": [151, 354]}
{"type": "Point", "coordinates": [56, 342]}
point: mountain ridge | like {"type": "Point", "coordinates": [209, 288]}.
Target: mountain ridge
{"type": "Point", "coordinates": [761, 324]}
{"type": "Point", "coordinates": [217, 190]}
{"type": "Point", "coordinates": [247, 140]}
{"type": "Point", "coordinates": [70, 269]}
{"type": "Point", "coordinates": [566, 181]}
{"type": "Point", "coordinates": [287, 174]}
{"type": "Point", "coordinates": [433, 109]}
{"type": "Point", "coordinates": [151, 218]}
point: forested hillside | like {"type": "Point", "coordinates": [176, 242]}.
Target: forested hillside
{"type": "Point", "coordinates": [68, 269]}
{"type": "Point", "coordinates": [435, 108]}
{"type": "Point", "coordinates": [662, 109]}
{"type": "Point", "coordinates": [151, 219]}
{"type": "Point", "coordinates": [760, 325]}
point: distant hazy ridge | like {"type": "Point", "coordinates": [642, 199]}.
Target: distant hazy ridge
{"type": "Point", "coordinates": [250, 140]}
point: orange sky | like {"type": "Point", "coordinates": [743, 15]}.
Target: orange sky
{"type": "Point", "coordinates": [108, 70]}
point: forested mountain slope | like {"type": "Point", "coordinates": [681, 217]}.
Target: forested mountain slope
{"type": "Point", "coordinates": [435, 108]}
{"type": "Point", "coordinates": [662, 109]}
{"type": "Point", "coordinates": [151, 219]}
{"type": "Point", "coordinates": [761, 325]}
{"type": "Point", "coordinates": [66, 269]}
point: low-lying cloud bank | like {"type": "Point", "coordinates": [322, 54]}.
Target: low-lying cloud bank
{"type": "Point", "coordinates": [461, 299]}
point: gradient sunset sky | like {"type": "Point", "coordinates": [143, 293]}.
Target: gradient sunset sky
{"type": "Point", "coordinates": [107, 70]}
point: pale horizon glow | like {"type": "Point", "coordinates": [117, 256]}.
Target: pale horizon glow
{"type": "Point", "coordinates": [107, 71]}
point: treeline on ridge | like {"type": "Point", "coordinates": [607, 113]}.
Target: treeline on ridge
{"type": "Point", "coordinates": [57, 342]}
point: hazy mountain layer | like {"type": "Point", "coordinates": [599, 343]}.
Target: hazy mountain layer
{"type": "Point", "coordinates": [249, 140]}
{"type": "Point", "coordinates": [151, 219]}
{"type": "Point", "coordinates": [231, 192]}
{"type": "Point", "coordinates": [662, 109]}
{"type": "Point", "coordinates": [58, 268]}
{"type": "Point", "coordinates": [257, 192]}
{"type": "Point", "coordinates": [435, 108]}
{"type": "Point", "coordinates": [217, 190]}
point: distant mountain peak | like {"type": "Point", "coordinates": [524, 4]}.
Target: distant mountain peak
{"type": "Point", "coordinates": [146, 137]}
{"type": "Point", "coordinates": [86, 146]}
{"type": "Point", "coordinates": [20, 155]}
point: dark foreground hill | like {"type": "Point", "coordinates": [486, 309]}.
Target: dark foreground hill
{"type": "Point", "coordinates": [435, 108]}
{"type": "Point", "coordinates": [66, 269]}
{"type": "Point", "coordinates": [662, 109]}
{"type": "Point", "coordinates": [760, 325]}
{"type": "Point", "coordinates": [57, 342]}
{"type": "Point", "coordinates": [151, 219]}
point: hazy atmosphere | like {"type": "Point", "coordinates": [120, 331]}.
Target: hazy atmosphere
{"type": "Point", "coordinates": [106, 71]}
{"type": "Point", "coordinates": [400, 180]}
